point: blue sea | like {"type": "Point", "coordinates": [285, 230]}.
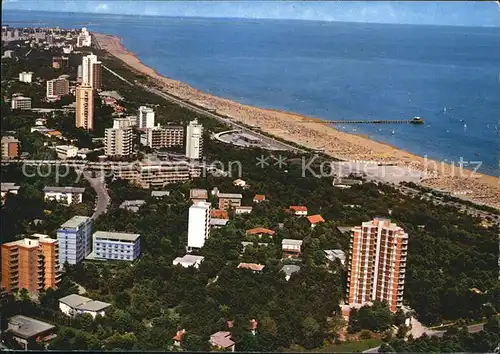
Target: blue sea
{"type": "Point", "coordinates": [450, 76]}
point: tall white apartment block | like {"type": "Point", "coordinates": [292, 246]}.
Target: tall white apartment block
{"type": "Point", "coordinates": [194, 140]}
{"type": "Point", "coordinates": [198, 224]}
{"type": "Point", "coordinates": [84, 39]}
{"type": "Point", "coordinates": [145, 118]}
{"type": "Point", "coordinates": [75, 239]}
{"type": "Point", "coordinates": [88, 62]}
{"type": "Point", "coordinates": [118, 141]}
{"type": "Point", "coordinates": [377, 263]}
{"type": "Point", "coordinates": [26, 77]}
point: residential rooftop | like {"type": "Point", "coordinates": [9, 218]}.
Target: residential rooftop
{"type": "Point", "coordinates": [83, 303]}
{"type": "Point", "coordinates": [230, 195]}
{"type": "Point", "coordinates": [53, 189]}
{"type": "Point", "coordinates": [75, 221]}
{"type": "Point", "coordinates": [118, 236]}
{"type": "Point", "coordinates": [27, 327]}
{"type": "Point", "coordinates": [288, 241]}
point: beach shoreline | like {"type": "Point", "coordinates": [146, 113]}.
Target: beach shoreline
{"type": "Point", "coordinates": [460, 182]}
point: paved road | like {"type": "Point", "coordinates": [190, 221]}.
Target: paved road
{"type": "Point", "coordinates": [103, 198]}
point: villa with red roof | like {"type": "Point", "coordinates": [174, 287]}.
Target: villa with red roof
{"type": "Point", "coordinates": [315, 219]}
{"type": "Point", "coordinates": [299, 210]}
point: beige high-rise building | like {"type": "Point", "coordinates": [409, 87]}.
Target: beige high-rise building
{"type": "Point", "coordinates": [31, 263]}
{"type": "Point", "coordinates": [377, 263]}
{"type": "Point", "coordinates": [85, 107]}
{"type": "Point", "coordinates": [118, 141]}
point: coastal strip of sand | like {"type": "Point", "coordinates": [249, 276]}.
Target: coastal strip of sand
{"type": "Point", "coordinates": [460, 182]}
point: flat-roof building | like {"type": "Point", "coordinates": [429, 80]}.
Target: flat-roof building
{"type": "Point", "coordinates": [198, 224]}
{"type": "Point", "coordinates": [67, 195]}
{"type": "Point", "coordinates": [10, 147]}
{"type": "Point", "coordinates": [26, 329]}
{"type": "Point", "coordinates": [75, 239]}
{"type": "Point", "coordinates": [116, 246]}
{"type": "Point", "coordinates": [74, 304]}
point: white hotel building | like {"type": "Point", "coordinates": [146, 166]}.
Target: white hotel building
{"type": "Point", "coordinates": [198, 224]}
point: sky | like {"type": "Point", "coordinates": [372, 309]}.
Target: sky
{"type": "Point", "coordinates": [455, 13]}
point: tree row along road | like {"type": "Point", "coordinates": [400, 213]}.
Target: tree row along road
{"type": "Point", "coordinates": [205, 112]}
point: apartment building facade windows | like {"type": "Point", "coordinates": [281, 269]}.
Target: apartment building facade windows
{"type": "Point", "coordinates": [198, 224]}
{"type": "Point", "coordinates": [20, 102]}
{"type": "Point", "coordinates": [84, 107]}
{"type": "Point", "coordinates": [116, 246]}
{"type": "Point", "coordinates": [164, 137]}
{"type": "Point", "coordinates": [57, 88]}
{"type": "Point", "coordinates": [145, 118]}
{"type": "Point", "coordinates": [194, 140]}
{"type": "Point", "coordinates": [377, 263]}
{"type": "Point", "coordinates": [31, 263]}
{"type": "Point", "coordinates": [75, 239]}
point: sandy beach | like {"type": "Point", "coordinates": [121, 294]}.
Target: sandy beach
{"type": "Point", "coordinates": [302, 130]}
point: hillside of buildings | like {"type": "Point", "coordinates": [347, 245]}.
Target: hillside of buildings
{"type": "Point", "coordinates": [273, 273]}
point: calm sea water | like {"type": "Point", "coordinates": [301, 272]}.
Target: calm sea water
{"type": "Point", "coordinates": [448, 75]}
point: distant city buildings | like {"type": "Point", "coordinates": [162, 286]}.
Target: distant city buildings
{"type": "Point", "coordinates": [56, 88]}
{"type": "Point", "coordinates": [75, 239]}
{"type": "Point", "coordinates": [10, 147]}
{"type": "Point", "coordinates": [118, 246]}
{"type": "Point", "coordinates": [66, 195]}
{"type": "Point", "coordinates": [194, 140]}
{"type": "Point", "coordinates": [164, 137]}
{"type": "Point", "coordinates": [60, 62]}
{"type": "Point", "coordinates": [20, 102]}
{"type": "Point", "coordinates": [31, 263]}
{"type": "Point", "coordinates": [26, 77]}
{"type": "Point", "coordinates": [84, 107]}
{"type": "Point", "coordinates": [145, 118]}
{"type": "Point", "coordinates": [198, 224]}
{"type": "Point", "coordinates": [66, 151]}
{"type": "Point", "coordinates": [84, 39]}
{"type": "Point", "coordinates": [229, 200]}
{"type": "Point", "coordinates": [118, 140]}
{"type": "Point", "coordinates": [377, 263]}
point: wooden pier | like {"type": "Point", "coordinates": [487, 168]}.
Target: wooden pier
{"type": "Point", "coordinates": [416, 120]}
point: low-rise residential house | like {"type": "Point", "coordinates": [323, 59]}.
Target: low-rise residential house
{"type": "Point", "coordinates": [40, 121]}
{"type": "Point", "coordinates": [239, 182]}
{"type": "Point", "coordinates": [291, 248]}
{"type": "Point", "coordinates": [222, 340]}
{"type": "Point", "coordinates": [25, 330]}
{"type": "Point", "coordinates": [218, 218]}
{"type": "Point", "coordinates": [259, 231]}
{"type": "Point", "coordinates": [198, 195]}
{"type": "Point", "coordinates": [160, 194]}
{"type": "Point", "coordinates": [229, 200]}
{"type": "Point", "coordinates": [254, 267]}
{"type": "Point", "coordinates": [66, 151]}
{"type": "Point", "coordinates": [219, 214]}
{"type": "Point", "coordinates": [289, 269]}
{"type": "Point", "coordinates": [298, 210]}
{"type": "Point", "coordinates": [67, 195]}
{"type": "Point", "coordinates": [178, 337]}
{"type": "Point", "coordinates": [345, 182]}
{"type": "Point", "coordinates": [9, 187]}
{"type": "Point", "coordinates": [132, 205]}
{"type": "Point", "coordinates": [73, 305]}
{"type": "Point", "coordinates": [189, 260]}
{"type": "Point", "coordinates": [218, 223]}
{"type": "Point", "coordinates": [315, 220]}
{"type": "Point", "coordinates": [332, 255]}
{"type": "Point", "coordinates": [259, 198]}
{"type": "Point", "coordinates": [243, 210]}
{"type": "Point", "coordinates": [258, 244]}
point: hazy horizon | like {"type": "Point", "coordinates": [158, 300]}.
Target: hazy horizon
{"type": "Point", "coordinates": [475, 14]}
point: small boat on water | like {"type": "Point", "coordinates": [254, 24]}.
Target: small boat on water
{"type": "Point", "coordinates": [393, 132]}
